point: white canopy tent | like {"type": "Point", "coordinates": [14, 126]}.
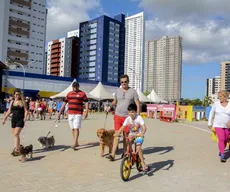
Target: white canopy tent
{"type": "Point", "coordinates": [100, 93]}
{"type": "Point", "coordinates": [155, 98]}
{"type": "Point", "coordinates": [67, 90]}
{"type": "Point", "coordinates": [142, 97]}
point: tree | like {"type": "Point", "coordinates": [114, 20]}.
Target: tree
{"type": "Point", "coordinates": [196, 102]}
{"type": "Point", "coordinates": [207, 101]}
{"type": "Point", "coordinates": [146, 93]}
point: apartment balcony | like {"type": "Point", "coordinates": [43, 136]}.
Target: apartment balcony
{"type": "Point", "coordinates": [55, 42]}
{"type": "Point", "coordinates": [55, 56]}
{"type": "Point", "coordinates": [18, 16]}
{"type": "Point", "coordinates": [21, 9]}
{"type": "Point", "coordinates": [19, 61]}
{"type": "Point", "coordinates": [55, 61]}
{"type": "Point", "coordinates": [55, 66]}
{"type": "Point", "coordinates": [17, 54]}
{"type": "Point", "coordinates": [19, 24]}
{"type": "Point", "coordinates": [20, 39]}
{"type": "Point", "coordinates": [20, 47]}
{"type": "Point", "coordinates": [55, 51]}
{"type": "Point", "coordinates": [56, 46]}
{"type": "Point", "coordinates": [21, 2]}
{"type": "Point", "coordinates": [56, 70]}
{"type": "Point", "coordinates": [19, 32]}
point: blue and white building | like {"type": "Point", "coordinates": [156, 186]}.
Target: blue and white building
{"type": "Point", "coordinates": [42, 85]}
{"type": "Point", "coordinates": [102, 49]}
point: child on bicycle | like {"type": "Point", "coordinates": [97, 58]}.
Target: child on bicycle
{"type": "Point", "coordinates": [137, 130]}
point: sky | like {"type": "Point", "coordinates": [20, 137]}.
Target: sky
{"type": "Point", "coordinates": [204, 26]}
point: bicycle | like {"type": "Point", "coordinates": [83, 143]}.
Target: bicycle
{"type": "Point", "coordinates": [130, 158]}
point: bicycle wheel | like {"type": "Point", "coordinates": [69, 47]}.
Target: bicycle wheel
{"type": "Point", "coordinates": [125, 168]}
{"type": "Point", "coordinates": [138, 163]}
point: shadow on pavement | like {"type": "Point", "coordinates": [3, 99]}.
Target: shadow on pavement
{"type": "Point", "coordinates": [54, 148]}
{"type": "Point", "coordinates": [88, 145]}
{"type": "Point", "coordinates": [36, 158]}
{"type": "Point", "coordinates": [154, 167]}
{"type": "Point", "coordinates": [163, 150]}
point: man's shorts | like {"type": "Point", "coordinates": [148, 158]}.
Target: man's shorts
{"type": "Point", "coordinates": [118, 122]}
{"type": "Point", "coordinates": [74, 121]}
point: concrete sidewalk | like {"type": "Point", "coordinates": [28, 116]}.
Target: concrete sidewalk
{"type": "Point", "coordinates": [182, 159]}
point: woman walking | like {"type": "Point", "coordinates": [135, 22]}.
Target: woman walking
{"type": "Point", "coordinates": [219, 118]}
{"type": "Point", "coordinates": [19, 110]}
{"type": "Point", "coordinates": [32, 109]}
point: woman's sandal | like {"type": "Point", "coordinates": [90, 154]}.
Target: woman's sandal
{"type": "Point", "coordinates": [15, 152]}
{"type": "Point", "coordinates": [74, 147]}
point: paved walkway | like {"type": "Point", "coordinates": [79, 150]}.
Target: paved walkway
{"type": "Point", "coordinates": [182, 159]}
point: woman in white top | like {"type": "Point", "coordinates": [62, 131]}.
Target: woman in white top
{"type": "Point", "coordinates": [219, 118]}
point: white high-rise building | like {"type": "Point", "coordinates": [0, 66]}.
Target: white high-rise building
{"type": "Point", "coordinates": [134, 49]}
{"type": "Point", "coordinates": [74, 33]}
{"type": "Point", "coordinates": [23, 33]}
{"type": "Point", "coordinates": [163, 67]}
{"type": "Point", "coordinates": [213, 86]}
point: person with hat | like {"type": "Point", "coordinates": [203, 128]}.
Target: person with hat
{"type": "Point", "coordinates": [75, 100]}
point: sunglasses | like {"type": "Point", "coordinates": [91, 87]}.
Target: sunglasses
{"type": "Point", "coordinates": [18, 94]}
{"type": "Point", "coordinates": [122, 82]}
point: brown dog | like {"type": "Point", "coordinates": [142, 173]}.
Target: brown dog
{"type": "Point", "coordinates": [106, 139]}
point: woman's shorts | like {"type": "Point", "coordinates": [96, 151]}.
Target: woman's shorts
{"type": "Point", "coordinates": [17, 123]}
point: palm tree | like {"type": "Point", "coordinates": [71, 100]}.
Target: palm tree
{"type": "Point", "coordinates": [207, 101]}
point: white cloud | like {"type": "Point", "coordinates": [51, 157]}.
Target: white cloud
{"type": "Point", "coordinates": [205, 38]}
{"type": "Point", "coordinates": [65, 15]}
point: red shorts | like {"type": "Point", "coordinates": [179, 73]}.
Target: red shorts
{"type": "Point", "coordinates": [118, 122]}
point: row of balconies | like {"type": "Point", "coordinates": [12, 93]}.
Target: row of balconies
{"type": "Point", "coordinates": [19, 31]}
{"type": "Point", "coordinates": [22, 2]}
{"type": "Point", "coordinates": [19, 24]}
{"type": "Point", "coordinates": [17, 54]}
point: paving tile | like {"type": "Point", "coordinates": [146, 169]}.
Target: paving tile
{"type": "Point", "coordinates": [178, 155]}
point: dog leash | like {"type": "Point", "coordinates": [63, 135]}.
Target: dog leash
{"type": "Point", "coordinates": [54, 125]}
{"type": "Point", "coordinates": [105, 119]}
{"type": "Point", "coordinates": [23, 134]}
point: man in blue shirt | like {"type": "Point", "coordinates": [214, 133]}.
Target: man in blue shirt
{"type": "Point", "coordinates": [59, 104]}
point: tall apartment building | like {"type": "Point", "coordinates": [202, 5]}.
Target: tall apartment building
{"type": "Point", "coordinates": [213, 86]}
{"type": "Point", "coordinates": [62, 56]}
{"type": "Point", "coordinates": [225, 75]}
{"type": "Point", "coordinates": [134, 49]}
{"type": "Point", "coordinates": [163, 67]}
{"type": "Point", "coordinates": [102, 48]}
{"type": "Point", "coordinates": [23, 32]}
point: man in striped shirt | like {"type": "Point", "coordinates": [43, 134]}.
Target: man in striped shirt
{"type": "Point", "coordinates": [75, 100]}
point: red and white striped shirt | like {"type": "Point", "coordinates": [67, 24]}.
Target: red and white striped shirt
{"type": "Point", "coordinates": [75, 101]}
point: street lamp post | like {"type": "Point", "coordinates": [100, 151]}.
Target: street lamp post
{"type": "Point", "coordinates": [8, 62]}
